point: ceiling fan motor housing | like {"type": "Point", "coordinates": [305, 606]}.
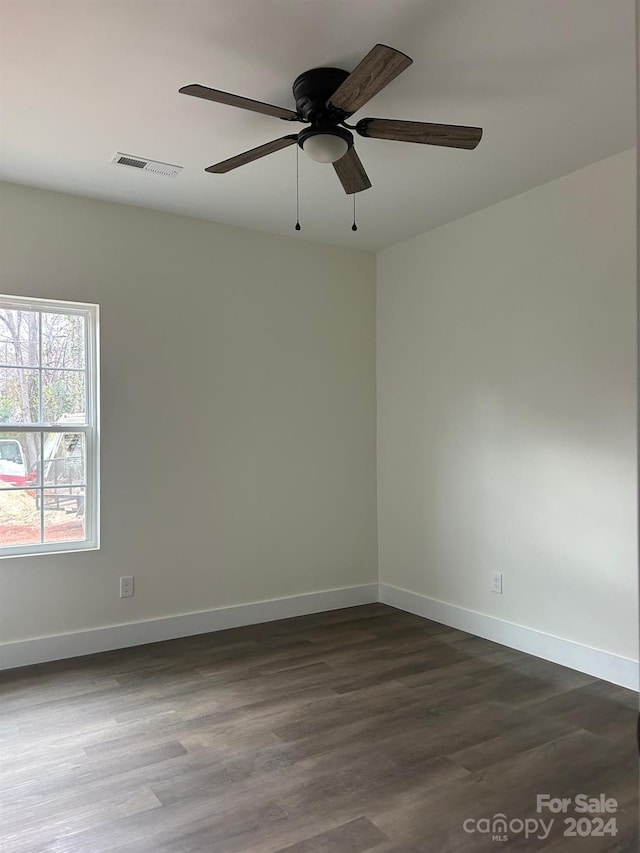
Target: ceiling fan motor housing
{"type": "Point", "coordinates": [312, 90]}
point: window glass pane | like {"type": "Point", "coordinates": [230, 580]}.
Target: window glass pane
{"type": "Point", "coordinates": [19, 337]}
{"type": "Point", "coordinates": [63, 340]}
{"type": "Point", "coordinates": [19, 517]}
{"type": "Point", "coordinates": [19, 395]}
{"type": "Point", "coordinates": [63, 514]}
{"type": "Point", "coordinates": [63, 396]}
{"type": "Point", "coordinates": [64, 459]}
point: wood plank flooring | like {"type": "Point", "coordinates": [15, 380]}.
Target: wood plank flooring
{"type": "Point", "coordinates": [365, 729]}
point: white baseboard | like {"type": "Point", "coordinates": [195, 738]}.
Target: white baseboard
{"type": "Point", "coordinates": [609, 667]}
{"type": "Point", "coordinates": [41, 649]}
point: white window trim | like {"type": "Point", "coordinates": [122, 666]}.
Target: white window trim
{"type": "Point", "coordinates": [91, 428]}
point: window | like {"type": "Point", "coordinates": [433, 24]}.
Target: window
{"type": "Point", "coordinates": [48, 426]}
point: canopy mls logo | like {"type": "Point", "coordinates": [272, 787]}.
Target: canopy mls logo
{"type": "Point", "coordinates": [593, 819]}
{"type": "Point", "coordinates": [500, 827]}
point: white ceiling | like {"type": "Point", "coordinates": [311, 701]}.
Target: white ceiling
{"type": "Point", "coordinates": [552, 82]}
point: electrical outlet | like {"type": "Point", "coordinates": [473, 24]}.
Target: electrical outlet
{"type": "Point", "coordinates": [126, 587]}
{"type": "Point", "coordinates": [496, 582]}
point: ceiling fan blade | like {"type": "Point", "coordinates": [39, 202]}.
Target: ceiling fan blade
{"type": "Point", "coordinates": [253, 154]}
{"type": "Point", "coordinates": [351, 173]}
{"type": "Point", "coordinates": [379, 67]}
{"type": "Point", "coordinates": [449, 135]}
{"type": "Point", "coordinates": [219, 97]}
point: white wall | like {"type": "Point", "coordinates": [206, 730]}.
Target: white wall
{"type": "Point", "coordinates": [238, 402]}
{"type": "Point", "coordinates": [506, 409]}
{"type": "Point", "coordinates": [243, 468]}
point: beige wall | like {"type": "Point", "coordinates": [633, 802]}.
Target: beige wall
{"type": "Point", "coordinates": [506, 409]}
{"type": "Point", "coordinates": [238, 412]}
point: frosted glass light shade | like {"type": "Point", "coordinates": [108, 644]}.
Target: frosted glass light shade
{"type": "Point", "coordinates": [325, 147]}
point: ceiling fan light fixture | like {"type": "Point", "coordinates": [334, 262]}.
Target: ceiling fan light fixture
{"type": "Point", "coordinates": [325, 146]}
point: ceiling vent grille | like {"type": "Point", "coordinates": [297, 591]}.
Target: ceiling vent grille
{"type": "Point", "coordinates": [145, 165]}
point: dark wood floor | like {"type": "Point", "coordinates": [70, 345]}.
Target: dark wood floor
{"type": "Point", "coordinates": [364, 729]}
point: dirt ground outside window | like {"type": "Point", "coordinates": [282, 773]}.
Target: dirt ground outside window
{"type": "Point", "coordinates": [20, 520]}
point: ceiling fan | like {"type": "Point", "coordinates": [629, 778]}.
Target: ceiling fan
{"type": "Point", "coordinates": [325, 98]}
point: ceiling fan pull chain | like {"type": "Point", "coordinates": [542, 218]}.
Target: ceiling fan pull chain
{"type": "Point", "coordinates": [297, 188]}
{"type": "Point", "coordinates": [354, 227]}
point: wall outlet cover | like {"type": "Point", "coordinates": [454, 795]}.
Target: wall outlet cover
{"type": "Point", "coordinates": [126, 586]}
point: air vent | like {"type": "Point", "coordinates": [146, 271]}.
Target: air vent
{"type": "Point", "coordinates": [144, 165]}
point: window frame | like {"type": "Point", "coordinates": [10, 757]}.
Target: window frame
{"type": "Point", "coordinates": [90, 428]}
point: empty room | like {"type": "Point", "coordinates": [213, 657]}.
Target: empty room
{"type": "Point", "coordinates": [318, 432]}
